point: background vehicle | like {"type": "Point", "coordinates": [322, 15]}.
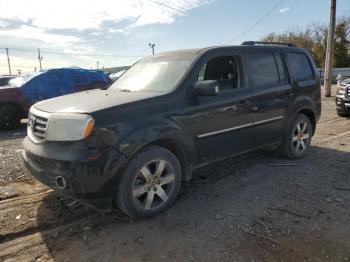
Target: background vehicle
{"type": "Point", "coordinates": [342, 98]}
{"type": "Point", "coordinates": [4, 80]}
{"type": "Point", "coordinates": [22, 92]}
{"type": "Point", "coordinates": [132, 144]}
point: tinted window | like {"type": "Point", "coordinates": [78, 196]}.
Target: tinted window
{"type": "Point", "coordinates": [300, 66]}
{"type": "Point", "coordinates": [263, 68]}
{"type": "Point", "coordinates": [281, 71]}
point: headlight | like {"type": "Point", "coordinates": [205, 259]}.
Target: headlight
{"type": "Point", "coordinates": [69, 127]}
{"type": "Point", "coordinates": [341, 90]}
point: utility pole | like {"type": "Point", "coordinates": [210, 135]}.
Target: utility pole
{"type": "Point", "coordinates": [152, 46]}
{"type": "Point", "coordinates": [330, 50]}
{"type": "Point", "coordinates": [8, 60]}
{"type": "Point", "coordinates": [40, 58]}
{"type": "Point", "coordinates": [97, 63]}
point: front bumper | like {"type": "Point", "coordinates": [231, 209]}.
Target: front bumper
{"type": "Point", "coordinates": [342, 104]}
{"type": "Point", "coordinates": [90, 174]}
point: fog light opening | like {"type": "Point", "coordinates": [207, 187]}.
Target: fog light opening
{"type": "Point", "coordinates": [61, 183]}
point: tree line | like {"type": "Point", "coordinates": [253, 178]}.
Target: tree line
{"type": "Point", "coordinates": [314, 39]}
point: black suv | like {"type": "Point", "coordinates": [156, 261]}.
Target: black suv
{"type": "Point", "coordinates": [132, 144]}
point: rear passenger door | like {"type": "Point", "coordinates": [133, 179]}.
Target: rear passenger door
{"type": "Point", "coordinates": [271, 95]}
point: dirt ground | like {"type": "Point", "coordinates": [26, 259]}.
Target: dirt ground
{"type": "Point", "coordinates": [256, 207]}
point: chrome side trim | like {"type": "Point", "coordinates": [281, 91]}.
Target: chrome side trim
{"type": "Point", "coordinates": [225, 130]}
{"type": "Point", "coordinates": [240, 127]}
{"type": "Point", "coordinates": [268, 120]}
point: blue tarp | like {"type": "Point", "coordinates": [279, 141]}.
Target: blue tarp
{"type": "Point", "coordinates": [58, 82]}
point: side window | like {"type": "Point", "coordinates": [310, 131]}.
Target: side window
{"type": "Point", "coordinates": [224, 69]}
{"type": "Point", "coordinates": [263, 68]}
{"type": "Point", "coordinates": [300, 66]}
{"type": "Point", "coordinates": [281, 70]}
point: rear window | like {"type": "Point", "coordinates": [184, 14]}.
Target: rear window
{"type": "Point", "coordinates": [263, 68]}
{"type": "Point", "coordinates": [300, 66]}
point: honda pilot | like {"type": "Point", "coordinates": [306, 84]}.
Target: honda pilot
{"type": "Point", "coordinates": [132, 144]}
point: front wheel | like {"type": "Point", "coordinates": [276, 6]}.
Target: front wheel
{"type": "Point", "coordinates": [298, 138]}
{"type": "Point", "coordinates": [150, 183]}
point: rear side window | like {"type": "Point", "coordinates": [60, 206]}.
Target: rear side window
{"type": "Point", "coordinates": [300, 66]}
{"type": "Point", "coordinates": [263, 68]}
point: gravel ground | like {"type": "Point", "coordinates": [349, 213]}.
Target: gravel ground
{"type": "Point", "coordinates": [256, 207]}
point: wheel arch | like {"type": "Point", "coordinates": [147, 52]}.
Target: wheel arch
{"type": "Point", "coordinates": [178, 150]}
{"type": "Point", "coordinates": [311, 115]}
{"type": "Point", "coordinates": [304, 105]}
{"type": "Point", "coordinates": [20, 109]}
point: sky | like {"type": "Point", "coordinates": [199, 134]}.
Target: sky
{"type": "Point", "coordinates": [117, 32]}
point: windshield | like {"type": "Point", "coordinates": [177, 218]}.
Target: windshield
{"type": "Point", "coordinates": [155, 73]}
{"type": "Point", "coordinates": [21, 80]}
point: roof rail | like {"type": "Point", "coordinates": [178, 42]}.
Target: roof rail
{"type": "Point", "coordinates": [266, 43]}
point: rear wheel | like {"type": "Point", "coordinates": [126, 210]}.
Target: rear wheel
{"type": "Point", "coordinates": [298, 138]}
{"type": "Point", "coordinates": [10, 117]}
{"type": "Point", "coordinates": [150, 183]}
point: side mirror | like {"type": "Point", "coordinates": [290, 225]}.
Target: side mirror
{"type": "Point", "coordinates": [206, 88]}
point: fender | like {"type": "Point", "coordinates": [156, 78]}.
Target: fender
{"type": "Point", "coordinates": [158, 132]}
{"type": "Point", "coordinates": [302, 103]}
{"type": "Point", "coordinates": [162, 131]}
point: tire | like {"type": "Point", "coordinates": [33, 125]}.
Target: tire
{"type": "Point", "coordinates": [150, 183]}
{"type": "Point", "coordinates": [298, 138]}
{"type": "Point", "coordinates": [10, 117]}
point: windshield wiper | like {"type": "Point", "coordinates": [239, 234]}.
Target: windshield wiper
{"type": "Point", "coordinates": [125, 90]}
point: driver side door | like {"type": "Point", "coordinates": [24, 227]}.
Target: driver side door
{"type": "Point", "coordinates": [222, 125]}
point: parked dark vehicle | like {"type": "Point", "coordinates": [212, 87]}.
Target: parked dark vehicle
{"type": "Point", "coordinates": [342, 98]}
{"type": "Point", "coordinates": [4, 80]}
{"type": "Point", "coordinates": [133, 144]}
{"type": "Point", "coordinates": [22, 92]}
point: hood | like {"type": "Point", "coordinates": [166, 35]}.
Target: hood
{"type": "Point", "coordinates": [7, 87]}
{"type": "Point", "coordinates": [91, 101]}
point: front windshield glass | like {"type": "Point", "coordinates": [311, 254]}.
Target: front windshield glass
{"type": "Point", "coordinates": [155, 73]}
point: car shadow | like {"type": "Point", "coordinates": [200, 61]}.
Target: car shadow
{"type": "Point", "coordinates": [21, 132]}
{"type": "Point", "coordinates": [216, 213]}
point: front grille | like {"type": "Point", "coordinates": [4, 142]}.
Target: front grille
{"type": "Point", "coordinates": [347, 91]}
{"type": "Point", "coordinates": [37, 126]}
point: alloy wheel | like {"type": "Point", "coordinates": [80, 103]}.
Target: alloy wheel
{"type": "Point", "coordinates": [301, 136]}
{"type": "Point", "coordinates": [153, 185]}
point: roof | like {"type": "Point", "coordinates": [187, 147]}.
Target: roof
{"type": "Point", "coordinates": [244, 47]}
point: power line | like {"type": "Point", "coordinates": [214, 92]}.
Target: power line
{"type": "Point", "coordinates": [169, 6]}
{"type": "Point", "coordinates": [258, 22]}
{"type": "Point", "coordinates": [16, 66]}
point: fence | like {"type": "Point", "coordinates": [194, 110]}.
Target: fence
{"type": "Point", "coordinates": [344, 72]}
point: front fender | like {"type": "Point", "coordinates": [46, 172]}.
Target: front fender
{"type": "Point", "coordinates": [142, 137]}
